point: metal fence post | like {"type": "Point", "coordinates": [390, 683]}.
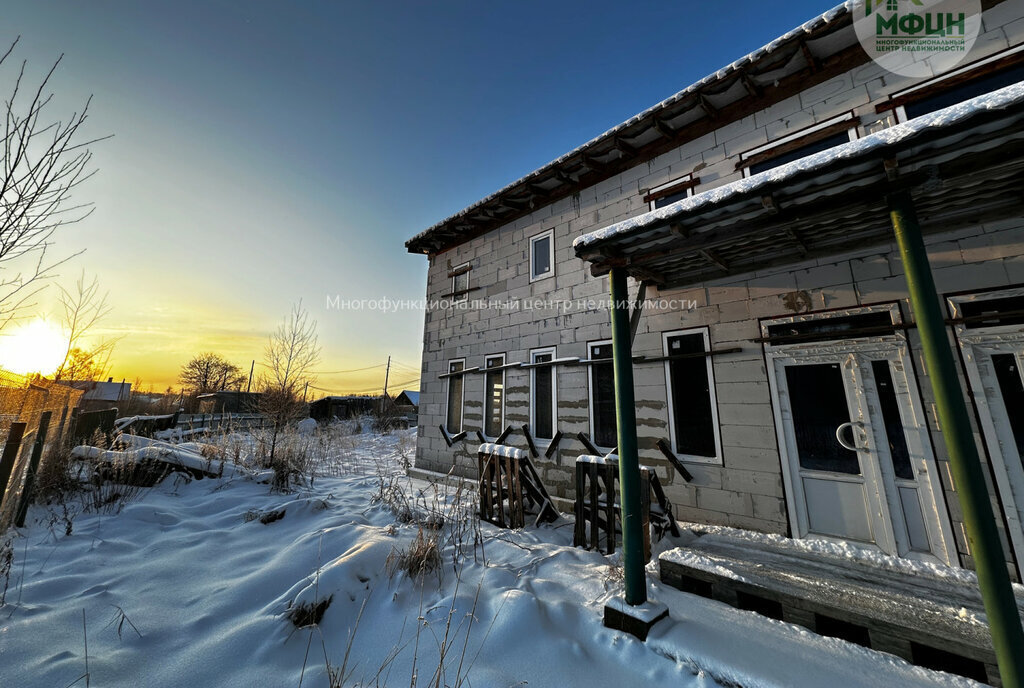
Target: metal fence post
{"type": "Point", "coordinates": [33, 465]}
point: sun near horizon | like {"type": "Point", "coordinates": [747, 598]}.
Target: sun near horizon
{"type": "Point", "coordinates": [36, 346]}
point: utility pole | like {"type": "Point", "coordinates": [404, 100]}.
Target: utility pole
{"type": "Point", "coordinates": [304, 390]}
{"type": "Point", "coordinates": [251, 369]}
{"type": "Point", "coordinates": [386, 372]}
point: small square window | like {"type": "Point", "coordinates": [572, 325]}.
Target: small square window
{"type": "Point", "coordinates": [675, 190]}
{"type": "Point", "coordinates": [542, 255]}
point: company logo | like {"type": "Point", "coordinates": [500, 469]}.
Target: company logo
{"type": "Point", "coordinates": [917, 38]}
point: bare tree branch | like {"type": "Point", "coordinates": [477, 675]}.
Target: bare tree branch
{"type": "Point", "coordinates": [42, 164]}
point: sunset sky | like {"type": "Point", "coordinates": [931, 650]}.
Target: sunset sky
{"type": "Point", "coordinates": [266, 152]}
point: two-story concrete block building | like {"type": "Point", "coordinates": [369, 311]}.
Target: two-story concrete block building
{"type": "Point", "coordinates": [776, 355]}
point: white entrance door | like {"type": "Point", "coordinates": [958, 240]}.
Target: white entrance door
{"type": "Point", "coordinates": [993, 353]}
{"type": "Point", "coordinates": [856, 459]}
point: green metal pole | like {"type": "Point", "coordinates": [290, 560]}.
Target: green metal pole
{"type": "Point", "coordinates": [979, 519]}
{"type": "Point", "coordinates": [629, 462]}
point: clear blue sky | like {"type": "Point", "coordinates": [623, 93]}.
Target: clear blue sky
{"type": "Point", "coordinates": [265, 152]}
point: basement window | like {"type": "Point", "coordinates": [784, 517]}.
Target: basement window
{"type": "Point", "coordinates": [692, 407]}
{"type": "Point", "coordinates": [675, 190]}
{"type": "Point", "coordinates": [800, 144]}
{"type": "Point", "coordinates": [453, 420]}
{"type": "Point", "coordinates": [494, 395]}
{"type": "Point", "coordinates": [602, 395]}
{"type": "Point", "coordinates": [543, 394]}
{"type": "Point", "coordinates": [460, 282]}
{"type": "Point", "coordinates": [542, 255]}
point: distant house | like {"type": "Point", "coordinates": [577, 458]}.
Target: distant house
{"type": "Point", "coordinates": [408, 398]}
{"type": "Point", "coordinates": [408, 404]}
{"type": "Point", "coordinates": [226, 401]}
{"type": "Point", "coordinates": [101, 395]}
{"type": "Point", "coordinates": [342, 407]}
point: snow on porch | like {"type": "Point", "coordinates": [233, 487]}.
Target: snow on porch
{"type": "Point", "coordinates": [925, 612]}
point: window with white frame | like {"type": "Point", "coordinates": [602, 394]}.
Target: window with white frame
{"type": "Point", "coordinates": [800, 144]}
{"type": "Point", "coordinates": [453, 418]}
{"type": "Point", "coordinates": [494, 395]}
{"type": "Point", "coordinates": [542, 255]}
{"type": "Point", "coordinates": [692, 407]}
{"type": "Point", "coordinates": [543, 394]}
{"type": "Point", "coordinates": [602, 395]}
{"type": "Point", "coordinates": [669, 193]}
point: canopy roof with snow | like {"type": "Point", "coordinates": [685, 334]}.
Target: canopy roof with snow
{"type": "Point", "coordinates": [810, 54]}
{"type": "Point", "coordinates": [964, 165]}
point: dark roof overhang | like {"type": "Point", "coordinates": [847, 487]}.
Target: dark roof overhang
{"type": "Point", "coordinates": [811, 54]}
{"type": "Point", "coordinates": [964, 168]}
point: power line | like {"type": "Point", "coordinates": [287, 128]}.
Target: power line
{"type": "Point", "coordinates": [353, 370]}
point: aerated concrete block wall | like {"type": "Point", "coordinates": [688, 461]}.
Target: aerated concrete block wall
{"type": "Point", "coordinates": [746, 490]}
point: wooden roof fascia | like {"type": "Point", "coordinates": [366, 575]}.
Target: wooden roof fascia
{"type": "Point", "coordinates": [788, 86]}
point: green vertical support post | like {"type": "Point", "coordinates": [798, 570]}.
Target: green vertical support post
{"type": "Point", "coordinates": [33, 466]}
{"type": "Point", "coordinates": [629, 463]}
{"type": "Point", "coordinates": [979, 519]}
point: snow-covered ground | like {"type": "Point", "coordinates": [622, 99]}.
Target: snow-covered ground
{"type": "Point", "coordinates": [205, 587]}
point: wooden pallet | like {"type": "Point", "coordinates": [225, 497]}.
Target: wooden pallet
{"type": "Point", "coordinates": [598, 521]}
{"type": "Point", "coordinates": [889, 611]}
{"type": "Point", "coordinates": [510, 487]}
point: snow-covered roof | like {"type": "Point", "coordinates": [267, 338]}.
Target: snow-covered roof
{"type": "Point", "coordinates": [412, 396]}
{"type": "Point", "coordinates": [873, 144]}
{"type": "Point", "coordinates": [663, 110]}
{"type": "Point", "coordinates": [102, 391]}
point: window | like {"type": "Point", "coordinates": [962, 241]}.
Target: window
{"type": "Point", "coordinates": [692, 408]}
{"type": "Point", "coordinates": [453, 420]}
{"type": "Point", "coordinates": [602, 396]}
{"type": "Point", "coordinates": [820, 137]}
{"type": "Point", "coordinates": [494, 395]}
{"type": "Point", "coordinates": [542, 255]}
{"type": "Point", "coordinates": [460, 282]}
{"type": "Point", "coordinates": [543, 395]}
{"type": "Point", "coordinates": [675, 190]}
{"type": "Point", "coordinates": [984, 76]}
{"type": "Point", "coordinates": [964, 91]}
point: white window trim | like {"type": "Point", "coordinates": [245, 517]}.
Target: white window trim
{"type": "Point", "coordinates": [590, 391]}
{"type": "Point", "coordinates": [550, 234]}
{"type": "Point", "coordinates": [543, 442]}
{"type": "Point", "coordinates": [713, 460]}
{"type": "Point", "coordinates": [464, 296]}
{"type": "Point", "coordinates": [666, 185]}
{"type": "Point", "coordinates": [448, 393]}
{"type": "Point", "coordinates": [846, 116]}
{"type": "Point", "coordinates": [483, 430]}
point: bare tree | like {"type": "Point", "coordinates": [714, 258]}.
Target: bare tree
{"type": "Point", "coordinates": [291, 353]}
{"type": "Point", "coordinates": [44, 160]}
{"type": "Point", "coordinates": [210, 372]}
{"type": "Point", "coordinates": [83, 309]}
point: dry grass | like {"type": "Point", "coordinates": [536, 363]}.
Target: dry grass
{"type": "Point", "coordinates": [421, 557]}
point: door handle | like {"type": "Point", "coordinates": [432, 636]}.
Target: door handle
{"type": "Point", "coordinates": [841, 441]}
